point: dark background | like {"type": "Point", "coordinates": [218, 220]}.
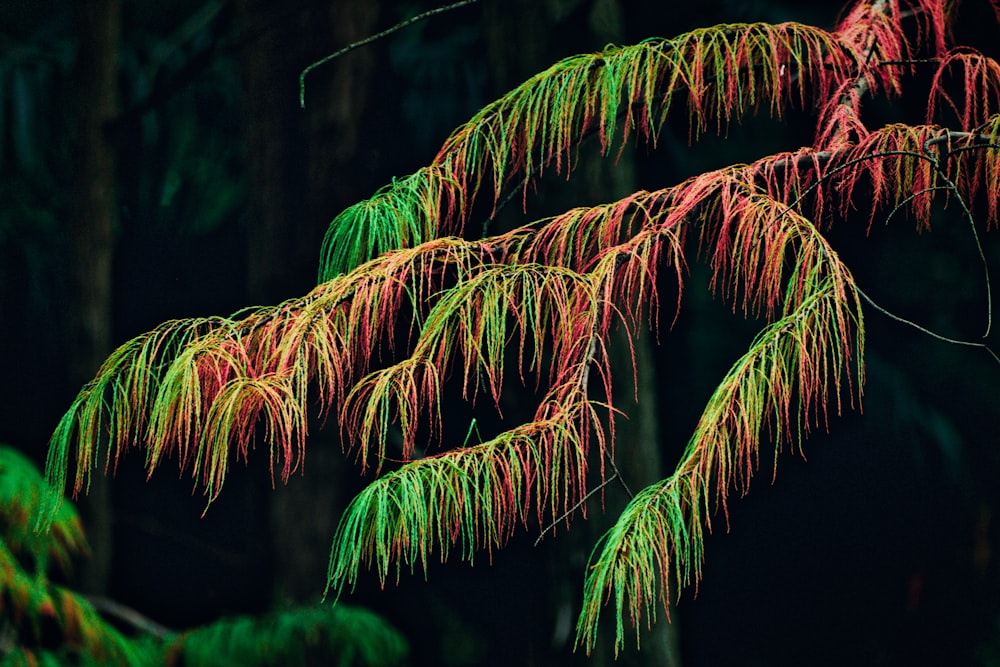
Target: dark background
{"type": "Point", "coordinates": [875, 551]}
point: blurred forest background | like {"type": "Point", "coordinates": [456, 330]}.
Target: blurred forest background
{"type": "Point", "coordinates": [155, 164]}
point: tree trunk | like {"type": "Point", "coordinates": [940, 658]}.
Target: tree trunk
{"type": "Point", "coordinates": [272, 219]}
{"type": "Point", "coordinates": [98, 26]}
{"type": "Point", "coordinates": [301, 165]}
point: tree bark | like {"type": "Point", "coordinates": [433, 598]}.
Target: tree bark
{"type": "Point", "coordinates": [91, 239]}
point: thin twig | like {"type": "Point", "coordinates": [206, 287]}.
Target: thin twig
{"type": "Point", "coordinates": [950, 186]}
{"type": "Point", "coordinates": [910, 61]}
{"type": "Point", "coordinates": [932, 334]}
{"type": "Point", "coordinates": [979, 246]}
{"type": "Point", "coordinates": [500, 205]}
{"type": "Point", "coordinates": [579, 503]}
{"type": "Point", "coordinates": [584, 379]}
{"type": "Point", "coordinates": [372, 38]}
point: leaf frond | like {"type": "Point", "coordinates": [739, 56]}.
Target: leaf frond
{"type": "Point", "coordinates": [402, 214]}
{"type": "Point", "coordinates": [195, 389]}
{"type": "Point", "coordinates": [34, 608]}
{"type": "Point", "coordinates": [977, 166]}
{"type": "Point", "coordinates": [776, 390]}
{"type": "Point", "coordinates": [978, 83]}
{"type": "Point", "coordinates": [115, 405]}
{"type": "Point", "coordinates": [473, 497]}
{"type": "Point", "coordinates": [656, 539]}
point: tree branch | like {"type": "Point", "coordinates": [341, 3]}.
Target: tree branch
{"type": "Point", "coordinates": [130, 616]}
{"type": "Point", "coordinates": [372, 38]}
{"type": "Point", "coordinates": [579, 503]}
{"type": "Point", "coordinates": [932, 334]}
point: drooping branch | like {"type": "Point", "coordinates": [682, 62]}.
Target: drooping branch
{"type": "Point", "coordinates": [193, 389]}
{"type": "Point", "coordinates": [658, 539]}
{"type": "Point", "coordinates": [474, 497]}
{"type": "Point", "coordinates": [725, 72]}
{"type": "Point", "coordinates": [160, 389]}
{"type": "Point", "coordinates": [403, 311]}
{"type": "Point", "coordinates": [793, 373]}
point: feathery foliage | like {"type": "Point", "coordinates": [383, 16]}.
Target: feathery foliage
{"type": "Point", "coordinates": [32, 608]}
{"type": "Point", "coordinates": [408, 303]}
{"type": "Point", "coordinates": [48, 624]}
{"type": "Point", "coordinates": [622, 90]}
{"type": "Point", "coordinates": [345, 636]}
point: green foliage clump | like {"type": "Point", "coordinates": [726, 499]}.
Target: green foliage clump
{"type": "Point", "coordinates": [45, 623]}
{"type": "Point", "coordinates": [342, 636]}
